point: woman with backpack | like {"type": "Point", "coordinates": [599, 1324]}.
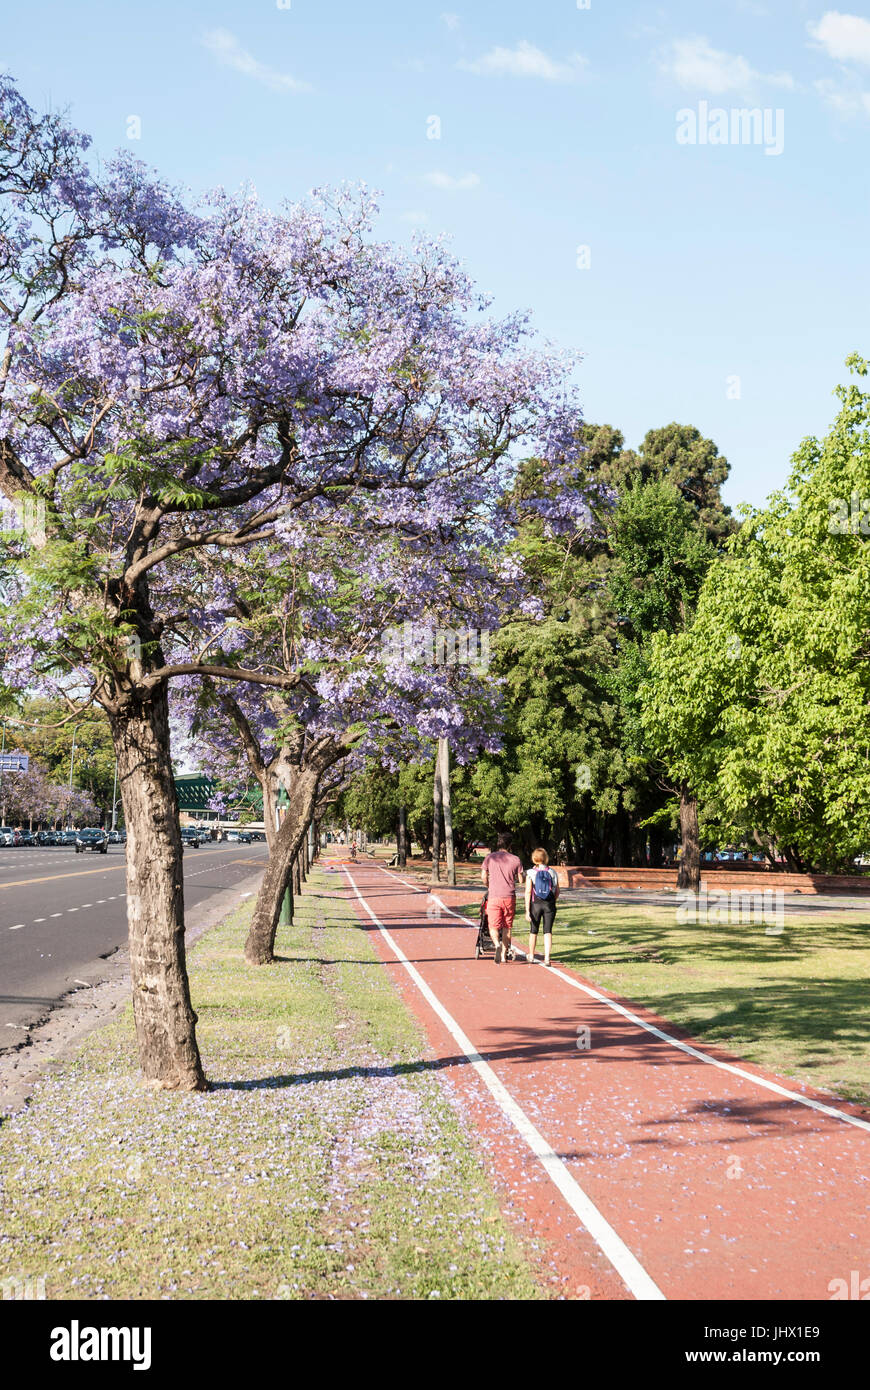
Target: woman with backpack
{"type": "Point", "coordinates": [542, 890]}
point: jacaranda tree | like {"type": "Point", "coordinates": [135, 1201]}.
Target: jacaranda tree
{"type": "Point", "coordinates": [177, 387]}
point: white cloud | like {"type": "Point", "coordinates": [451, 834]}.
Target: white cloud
{"type": "Point", "coordinates": [526, 61]}
{"type": "Point", "coordinates": [414, 217]}
{"type": "Point", "coordinates": [695, 64]}
{"type": "Point", "coordinates": [845, 37]}
{"type": "Point", "coordinates": [848, 101]}
{"type": "Point", "coordinates": [448, 183]}
{"type": "Point", "coordinates": [226, 48]}
{"type": "Point", "coordinates": [451, 20]}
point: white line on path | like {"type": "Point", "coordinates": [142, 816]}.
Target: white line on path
{"type": "Point", "coordinates": [666, 1037]}
{"type": "Point", "coordinates": [626, 1264]}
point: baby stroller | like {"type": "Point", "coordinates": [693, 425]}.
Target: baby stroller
{"type": "Point", "coordinates": [483, 945]}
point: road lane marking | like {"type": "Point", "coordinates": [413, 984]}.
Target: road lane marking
{"type": "Point", "coordinates": [55, 878]}
{"type": "Point", "coordinates": [100, 901]}
{"type": "Point", "coordinates": [85, 873]}
{"type": "Point", "coordinates": [623, 1260]}
{"type": "Point", "coordinates": [666, 1037]}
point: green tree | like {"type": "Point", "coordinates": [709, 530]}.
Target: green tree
{"type": "Point", "coordinates": [47, 732]}
{"type": "Point", "coordinates": [763, 704]}
{"type": "Point", "coordinates": [662, 554]}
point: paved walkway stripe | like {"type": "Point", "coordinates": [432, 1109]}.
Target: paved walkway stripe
{"type": "Point", "coordinates": [626, 1264]}
{"type": "Point", "coordinates": [666, 1037]}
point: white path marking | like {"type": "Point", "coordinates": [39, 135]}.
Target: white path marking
{"type": "Point", "coordinates": [626, 1264]}
{"type": "Point", "coordinates": [675, 1042]}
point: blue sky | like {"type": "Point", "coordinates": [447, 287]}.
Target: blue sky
{"type": "Point", "coordinates": [724, 285]}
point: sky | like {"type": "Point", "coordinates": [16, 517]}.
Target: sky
{"type": "Point", "coordinates": [582, 157]}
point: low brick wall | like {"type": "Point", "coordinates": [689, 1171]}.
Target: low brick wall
{"type": "Point", "coordinates": [658, 880]}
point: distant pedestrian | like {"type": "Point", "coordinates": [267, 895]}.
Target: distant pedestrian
{"type": "Point", "coordinates": [542, 891]}
{"type": "Point", "coordinates": [501, 871]}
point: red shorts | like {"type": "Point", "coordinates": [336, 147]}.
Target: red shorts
{"type": "Point", "coordinates": [500, 914]}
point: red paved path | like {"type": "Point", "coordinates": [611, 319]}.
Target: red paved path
{"type": "Point", "coordinates": [648, 1132]}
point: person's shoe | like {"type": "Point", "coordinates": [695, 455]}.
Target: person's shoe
{"type": "Point", "coordinates": [498, 953]}
{"type": "Point", "coordinates": [509, 953]}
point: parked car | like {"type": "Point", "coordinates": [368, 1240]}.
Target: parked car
{"type": "Point", "coordinates": [117, 837]}
{"type": "Point", "coordinates": [190, 836]}
{"type": "Point", "coordinates": [26, 837]}
{"type": "Point", "coordinates": [46, 837]}
{"type": "Point", "coordinates": [238, 837]}
{"type": "Point", "coordinates": [7, 835]}
{"type": "Point", "coordinates": [92, 838]}
{"type": "Point", "coordinates": [67, 837]}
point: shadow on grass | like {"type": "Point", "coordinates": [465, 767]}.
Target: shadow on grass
{"type": "Point", "coordinates": [829, 1012]}
{"type": "Point", "coordinates": [675, 944]}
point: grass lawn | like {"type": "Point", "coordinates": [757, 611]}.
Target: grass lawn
{"type": "Point", "coordinates": [328, 1162]}
{"type": "Point", "coordinates": [796, 1003]}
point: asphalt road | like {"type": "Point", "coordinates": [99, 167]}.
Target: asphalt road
{"type": "Point", "coordinates": [61, 912]}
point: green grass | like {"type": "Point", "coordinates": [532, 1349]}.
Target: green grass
{"type": "Point", "coordinates": [328, 1162]}
{"type": "Point", "coordinates": [795, 1003]}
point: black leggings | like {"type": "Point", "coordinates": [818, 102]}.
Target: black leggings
{"type": "Point", "coordinates": [542, 912]}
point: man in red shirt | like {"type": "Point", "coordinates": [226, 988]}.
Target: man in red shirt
{"type": "Point", "coordinates": [501, 872]}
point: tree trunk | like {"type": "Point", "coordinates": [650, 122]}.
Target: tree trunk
{"type": "Point", "coordinates": [444, 751]}
{"type": "Point", "coordinates": [402, 841]}
{"type": "Point", "coordinates": [689, 876]}
{"type": "Point", "coordinates": [656, 854]}
{"type": "Point", "coordinates": [270, 803]}
{"type": "Point", "coordinates": [163, 1015]}
{"type": "Point", "coordinates": [437, 799]}
{"type": "Point", "coordinates": [260, 945]}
